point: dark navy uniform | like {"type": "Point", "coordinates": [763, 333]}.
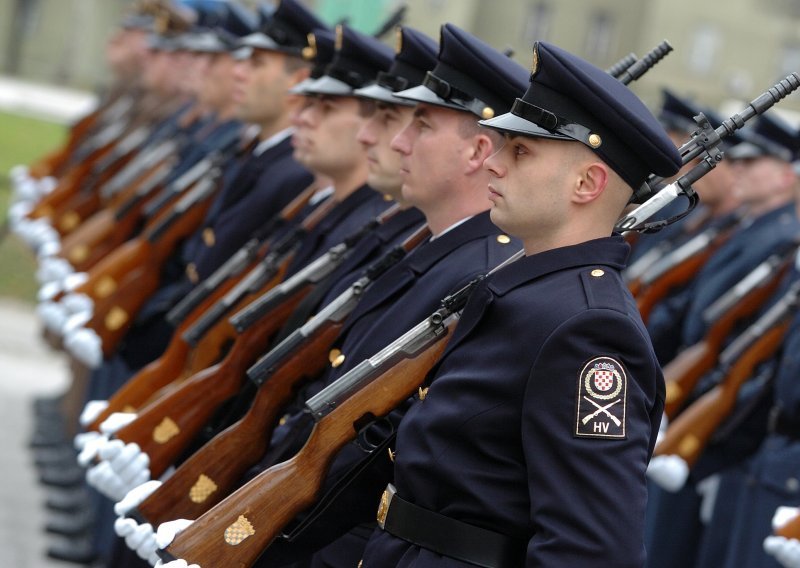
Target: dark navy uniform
{"type": "Point", "coordinates": [535, 432]}
{"type": "Point", "coordinates": [502, 449]}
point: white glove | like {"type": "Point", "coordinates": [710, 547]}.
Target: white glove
{"type": "Point", "coordinates": [136, 496]}
{"type": "Point", "coordinates": [53, 268]}
{"type": "Point", "coordinates": [668, 472]}
{"type": "Point", "coordinates": [167, 531]}
{"type": "Point", "coordinates": [123, 467]}
{"type": "Point", "coordinates": [708, 489]}
{"type": "Point", "coordinates": [86, 346]}
{"type": "Point", "coordinates": [53, 314]}
{"type": "Point", "coordinates": [128, 461]}
{"type": "Point", "coordinates": [106, 481]}
{"type": "Point", "coordinates": [662, 428]}
{"type": "Point", "coordinates": [26, 190]}
{"type": "Point", "coordinates": [139, 538]}
{"type": "Point", "coordinates": [16, 214]}
{"type": "Point", "coordinates": [77, 303]}
{"type": "Point", "coordinates": [75, 322]}
{"type": "Point", "coordinates": [785, 550]}
{"type": "Point", "coordinates": [19, 172]}
{"type": "Point", "coordinates": [177, 564]}
{"type": "Point", "coordinates": [89, 443]}
{"type": "Point", "coordinates": [91, 411]}
{"type": "Point", "coordinates": [47, 185]}
{"type": "Point", "coordinates": [48, 249]}
{"type": "Point", "coordinates": [783, 515]}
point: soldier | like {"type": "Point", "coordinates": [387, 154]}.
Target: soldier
{"type": "Point", "coordinates": [531, 443]}
{"type": "Point", "coordinates": [767, 185]}
{"type": "Point", "coordinates": [442, 151]}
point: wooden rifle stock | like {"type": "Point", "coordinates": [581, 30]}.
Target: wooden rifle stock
{"type": "Point", "coordinates": [682, 374]}
{"type": "Point", "coordinates": [109, 227]}
{"type": "Point", "coordinates": [222, 462]}
{"type": "Point", "coordinates": [187, 409]}
{"type": "Point", "coordinates": [690, 432]}
{"type": "Point", "coordinates": [113, 315]}
{"type": "Point", "coordinates": [790, 529]}
{"type": "Point", "coordinates": [264, 506]}
{"type": "Point", "coordinates": [682, 271]}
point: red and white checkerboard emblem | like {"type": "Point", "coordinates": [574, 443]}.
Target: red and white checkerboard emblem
{"type": "Point", "coordinates": [603, 380]}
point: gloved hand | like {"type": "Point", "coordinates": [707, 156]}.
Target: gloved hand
{"type": "Point", "coordinates": [669, 472]}
{"type": "Point", "coordinates": [662, 428]}
{"type": "Point", "coordinates": [166, 534]}
{"type": "Point", "coordinates": [90, 443]}
{"type": "Point", "coordinates": [139, 538]}
{"type": "Point", "coordinates": [51, 268]}
{"type": "Point", "coordinates": [86, 346]}
{"type": "Point", "coordinates": [91, 411]}
{"type": "Point", "coordinates": [785, 550]}
{"type": "Point", "coordinates": [136, 496]}
{"type": "Point", "coordinates": [50, 290]}
{"type": "Point", "coordinates": [177, 564]}
{"type": "Point", "coordinates": [124, 467]}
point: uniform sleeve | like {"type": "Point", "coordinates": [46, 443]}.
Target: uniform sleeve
{"type": "Point", "coordinates": [591, 409]}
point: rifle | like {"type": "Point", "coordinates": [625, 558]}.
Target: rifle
{"type": "Point", "coordinates": [638, 68]}
{"type": "Point", "coordinates": [183, 359]}
{"type": "Point", "coordinates": [682, 373]}
{"type": "Point", "coordinates": [703, 145]}
{"type": "Point", "coordinates": [617, 68]}
{"type": "Point", "coordinates": [690, 432]}
{"type": "Point", "coordinates": [87, 199]}
{"type": "Point", "coordinates": [237, 530]}
{"type": "Point", "coordinates": [141, 260]}
{"type": "Point", "coordinates": [111, 226]}
{"type": "Point", "coordinates": [681, 265]}
{"type": "Point", "coordinates": [222, 461]}
{"type": "Point", "coordinates": [189, 406]}
{"type": "Point", "coordinates": [242, 260]}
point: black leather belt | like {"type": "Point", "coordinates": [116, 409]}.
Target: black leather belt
{"type": "Point", "coordinates": [448, 536]}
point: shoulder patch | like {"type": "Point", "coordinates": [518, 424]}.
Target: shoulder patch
{"type": "Point", "coordinates": [601, 399]}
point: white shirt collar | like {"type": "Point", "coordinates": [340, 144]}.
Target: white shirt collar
{"type": "Point", "coordinates": [273, 140]}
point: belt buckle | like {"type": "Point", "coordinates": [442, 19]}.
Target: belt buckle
{"type": "Point", "coordinates": [386, 501]}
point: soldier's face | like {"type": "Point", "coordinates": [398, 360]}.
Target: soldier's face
{"type": "Point", "coordinates": [217, 89]}
{"type": "Point", "coordinates": [325, 135]}
{"type": "Point", "coordinates": [434, 152]}
{"type": "Point", "coordinates": [376, 136]}
{"type": "Point", "coordinates": [530, 187]}
{"type": "Point", "coordinates": [760, 179]}
{"type": "Point", "coordinates": [260, 86]}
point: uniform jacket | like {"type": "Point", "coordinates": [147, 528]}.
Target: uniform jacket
{"type": "Point", "coordinates": [263, 185]}
{"type": "Point", "coordinates": [505, 439]}
{"type": "Point", "coordinates": [397, 301]}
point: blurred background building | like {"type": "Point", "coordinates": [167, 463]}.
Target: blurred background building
{"type": "Point", "coordinates": [724, 51]}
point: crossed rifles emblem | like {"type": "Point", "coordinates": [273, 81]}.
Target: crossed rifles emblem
{"type": "Point", "coordinates": [603, 409]}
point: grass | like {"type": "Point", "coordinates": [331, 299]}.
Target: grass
{"type": "Point", "coordinates": [22, 141]}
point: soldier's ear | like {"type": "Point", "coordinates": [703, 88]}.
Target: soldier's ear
{"type": "Point", "coordinates": [590, 182]}
{"type": "Point", "coordinates": [482, 147]}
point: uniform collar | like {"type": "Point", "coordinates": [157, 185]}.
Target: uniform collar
{"type": "Point", "coordinates": [431, 252]}
{"type": "Point", "coordinates": [608, 251]}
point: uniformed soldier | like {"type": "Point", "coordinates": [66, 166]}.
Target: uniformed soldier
{"type": "Point", "coordinates": [442, 151]}
{"type": "Point", "coordinates": [531, 443]}
{"type": "Point", "coordinates": [767, 185]}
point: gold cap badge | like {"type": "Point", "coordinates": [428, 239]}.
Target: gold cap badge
{"type": "Point", "coordinates": [595, 140]}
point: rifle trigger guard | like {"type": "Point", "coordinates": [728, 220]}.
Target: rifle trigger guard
{"type": "Point", "coordinates": [369, 443]}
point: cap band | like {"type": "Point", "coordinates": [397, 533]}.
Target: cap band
{"type": "Point", "coordinates": [554, 123]}
{"type": "Point", "coordinates": [449, 93]}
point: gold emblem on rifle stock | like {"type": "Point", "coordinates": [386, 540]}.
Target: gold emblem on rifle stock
{"type": "Point", "coordinates": [116, 318]}
{"type": "Point", "coordinates": [165, 431]}
{"type": "Point", "coordinates": [239, 531]}
{"type": "Point", "coordinates": [79, 254]}
{"type": "Point", "coordinates": [202, 489]}
{"type": "Point", "coordinates": [69, 221]}
{"type": "Point", "coordinates": [105, 287]}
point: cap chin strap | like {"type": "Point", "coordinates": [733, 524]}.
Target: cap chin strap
{"type": "Point", "coordinates": [451, 94]}
{"type": "Point", "coordinates": [552, 122]}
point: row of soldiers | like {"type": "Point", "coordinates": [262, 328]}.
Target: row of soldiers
{"type": "Point", "coordinates": [305, 280]}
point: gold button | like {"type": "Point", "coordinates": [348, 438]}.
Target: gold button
{"type": "Point", "coordinates": [503, 239]}
{"type": "Point", "coordinates": [191, 272]}
{"type": "Point", "coordinates": [283, 419]}
{"type": "Point", "coordinates": [595, 140]}
{"type": "Point", "coordinates": [391, 454]}
{"type": "Point", "coordinates": [597, 273]}
{"type": "Point", "coordinates": [336, 358]}
{"type": "Point", "coordinates": [209, 237]}
{"type": "Point", "coordinates": [487, 112]}
{"type": "Point", "coordinates": [360, 564]}
{"type": "Point", "coordinates": [387, 197]}
{"type": "Point", "coordinates": [423, 392]}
